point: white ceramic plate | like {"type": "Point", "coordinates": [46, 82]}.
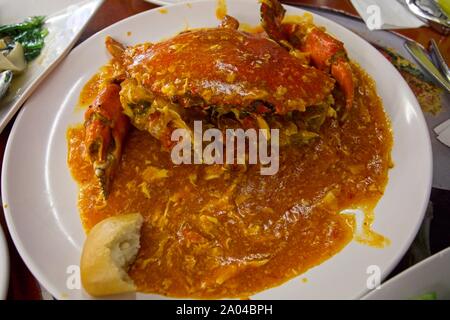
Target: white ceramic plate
{"type": "Point", "coordinates": [4, 266]}
{"type": "Point", "coordinates": [428, 276]}
{"type": "Point", "coordinates": [65, 20]}
{"type": "Point", "coordinates": [42, 196]}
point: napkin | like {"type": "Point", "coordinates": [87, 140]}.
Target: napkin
{"type": "Point", "coordinates": [386, 14]}
{"type": "Point", "coordinates": [443, 132]}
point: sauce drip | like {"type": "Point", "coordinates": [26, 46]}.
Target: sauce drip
{"type": "Point", "coordinates": [221, 10]}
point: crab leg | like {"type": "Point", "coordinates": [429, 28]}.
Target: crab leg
{"type": "Point", "coordinates": [105, 130]}
{"type": "Point", "coordinates": [328, 53]}
{"type": "Point", "coordinates": [325, 52]}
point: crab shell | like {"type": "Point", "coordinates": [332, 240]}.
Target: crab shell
{"type": "Point", "coordinates": [227, 68]}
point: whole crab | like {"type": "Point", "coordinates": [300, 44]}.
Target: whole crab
{"type": "Point", "coordinates": [289, 68]}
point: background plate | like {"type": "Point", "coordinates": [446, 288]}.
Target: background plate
{"type": "Point", "coordinates": [65, 20]}
{"type": "Point", "coordinates": [4, 266]}
{"type": "Point", "coordinates": [42, 210]}
{"type": "Point", "coordinates": [428, 276]}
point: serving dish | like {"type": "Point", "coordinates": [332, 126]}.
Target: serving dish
{"type": "Point", "coordinates": [427, 278]}
{"type": "Point", "coordinates": [65, 20]}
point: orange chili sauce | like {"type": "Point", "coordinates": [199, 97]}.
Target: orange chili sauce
{"type": "Point", "coordinates": [210, 233]}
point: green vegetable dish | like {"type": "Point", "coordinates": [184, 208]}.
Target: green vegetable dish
{"type": "Point", "coordinates": [20, 43]}
{"type": "Point", "coordinates": [30, 34]}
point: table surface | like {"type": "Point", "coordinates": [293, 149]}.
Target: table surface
{"type": "Point", "coordinates": [22, 283]}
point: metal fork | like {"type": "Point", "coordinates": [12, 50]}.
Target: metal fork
{"type": "Point", "coordinates": [422, 58]}
{"type": "Point", "coordinates": [439, 59]}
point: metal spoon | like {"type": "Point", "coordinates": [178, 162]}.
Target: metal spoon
{"type": "Point", "coordinates": [5, 81]}
{"type": "Point", "coordinates": [431, 12]}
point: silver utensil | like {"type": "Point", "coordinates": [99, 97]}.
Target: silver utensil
{"type": "Point", "coordinates": [421, 56]}
{"type": "Point", "coordinates": [439, 59]}
{"type": "Point", "coordinates": [432, 13]}
{"type": "Point", "coordinates": [5, 81]}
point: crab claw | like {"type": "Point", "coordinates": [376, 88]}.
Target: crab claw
{"type": "Point", "coordinates": [328, 54]}
{"type": "Point", "coordinates": [114, 47]}
{"type": "Point", "coordinates": [272, 15]}
{"type": "Point", "coordinates": [230, 23]}
{"type": "Point", "coordinates": [321, 49]}
{"type": "Point", "coordinates": [105, 130]}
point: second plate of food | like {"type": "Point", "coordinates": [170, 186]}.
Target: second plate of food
{"type": "Point", "coordinates": [335, 216]}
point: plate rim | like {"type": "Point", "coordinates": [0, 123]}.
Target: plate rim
{"type": "Point", "coordinates": [392, 263]}
{"type": "Point", "coordinates": [161, 3]}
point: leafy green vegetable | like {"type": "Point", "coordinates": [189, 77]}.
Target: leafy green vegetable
{"type": "Point", "coordinates": [30, 34]}
{"type": "Point", "coordinates": [401, 63]}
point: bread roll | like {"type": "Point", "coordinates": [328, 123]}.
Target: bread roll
{"type": "Point", "coordinates": [110, 248]}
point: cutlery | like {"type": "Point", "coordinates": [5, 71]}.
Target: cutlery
{"type": "Point", "coordinates": [432, 13]}
{"type": "Point", "coordinates": [5, 81]}
{"type": "Point", "coordinates": [420, 55]}
{"type": "Point", "coordinates": [439, 59]}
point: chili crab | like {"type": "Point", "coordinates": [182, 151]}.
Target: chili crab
{"type": "Point", "coordinates": [220, 75]}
